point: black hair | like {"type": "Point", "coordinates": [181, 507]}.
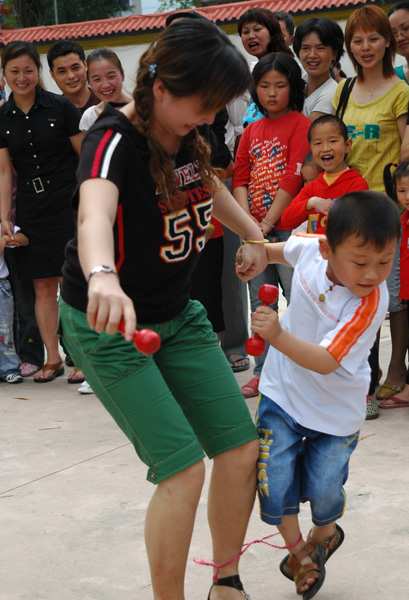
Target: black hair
{"type": "Point", "coordinates": [398, 6]}
{"type": "Point", "coordinates": [308, 159]}
{"type": "Point", "coordinates": [289, 67]}
{"type": "Point", "coordinates": [20, 48]}
{"type": "Point", "coordinates": [390, 178]}
{"type": "Point", "coordinates": [372, 216]}
{"type": "Point", "coordinates": [329, 119]}
{"type": "Point", "coordinates": [281, 15]}
{"type": "Point", "coordinates": [329, 32]}
{"type": "Point", "coordinates": [267, 19]}
{"type": "Point", "coordinates": [338, 66]}
{"type": "Point", "coordinates": [191, 14]}
{"type": "Point", "coordinates": [62, 48]}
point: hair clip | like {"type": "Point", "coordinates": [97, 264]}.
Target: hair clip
{"type": "Point", "coordinates": [152, 70]}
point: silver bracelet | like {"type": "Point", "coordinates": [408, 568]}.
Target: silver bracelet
{"type": "Point", "coordinates": [267, 223]}
{"type": "Point", "coordinates": [102, 269]}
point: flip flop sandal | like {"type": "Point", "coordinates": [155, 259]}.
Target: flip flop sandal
{"type": "Point", "coordinates": [238, 368]}
{"type": "Point", "coordinates": [56, 367]}
{"type": "Point", "coordinates": [331, 545]}
{"type": "Point", "coordinates": [234, 582]}
{"type": "Point", "coordinates": [313, 570]}
{"type": "Point", "coordinates": [71, 377]}
{"type": "Point", "coordinates": [387, 390]}
{"type": "Point", "coordinates": [397, 403]}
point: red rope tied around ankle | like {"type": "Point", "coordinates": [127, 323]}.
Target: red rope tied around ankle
{"type": "Point", "coordinates": [246, 546]}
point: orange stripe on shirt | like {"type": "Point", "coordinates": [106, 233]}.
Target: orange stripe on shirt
{"type": "Point", "coordinates": [351, 331]}
{"type": "Point", "coordinates": [308, 235]}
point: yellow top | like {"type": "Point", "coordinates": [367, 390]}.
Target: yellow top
{"type": "Point", "coordinates": [373, 129]}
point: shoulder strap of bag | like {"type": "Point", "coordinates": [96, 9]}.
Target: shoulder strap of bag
{"type": "Point", "coordinates": [345, 93]}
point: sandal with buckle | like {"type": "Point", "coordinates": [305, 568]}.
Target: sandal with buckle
{"type": "Point", "coordinates": [313, 570]}
{"type": "Point", "coordinates": [388, 389]}
{"type": "Point", "coordinates": [57, 369]}
{"type": "Point", "coordinates": [232, 581]}
{"type": "Point", "coordinates": [330, 546]}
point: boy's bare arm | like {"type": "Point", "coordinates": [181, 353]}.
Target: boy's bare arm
{"type": "Point", "coordinates": [306, 354]}
{"type": "Point", "coordinates": [275, 253]}
{"type": "Point", "coordinates": [21, 239]}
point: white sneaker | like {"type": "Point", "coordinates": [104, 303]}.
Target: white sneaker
{"type": "Point", "coordinates": [85, 388]}
{"type": "Point", "coordinates": [12, 378]}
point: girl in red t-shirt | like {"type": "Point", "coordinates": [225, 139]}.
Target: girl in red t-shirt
{"type": "Point", "coordinates": [267, 171]}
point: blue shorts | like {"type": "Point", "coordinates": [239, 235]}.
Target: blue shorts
{"type": "Point", "coordinates": [299, 465]}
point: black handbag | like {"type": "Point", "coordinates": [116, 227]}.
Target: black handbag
{"type": "Point", "coordinates": [343, 100]}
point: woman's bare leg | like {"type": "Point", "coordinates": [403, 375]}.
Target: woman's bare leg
{"type": "Point", "coordinates": [168, 530]}
{"type": "Point", "coordinates": [46, 311]}
{"type": "Point", "coordinates": [399, 337]}
{"type": "Point", "coordinates": [231, 500]}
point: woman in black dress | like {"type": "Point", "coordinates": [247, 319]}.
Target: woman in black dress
{"type": "Point", "coordinates": [39, 133]}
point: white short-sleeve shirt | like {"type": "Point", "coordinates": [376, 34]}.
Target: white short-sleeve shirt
{"type": "Point", "coordinates": [345, 325]}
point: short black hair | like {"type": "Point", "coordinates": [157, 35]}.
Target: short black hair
{"type": "Point", "coordinates": [62, 48]}
{"type": "Point", "coordinates": [329, 119]}
{"type": "Point", "coordinates": [281, 15]}
{"type": "Point", "coordinates": [289, 67]}
{"type": "Point", "coordinates": [369, 215]}
{"type": "Point", "coordinates": [329, 32]}
{"type": "Point", "coordinates": [398, 6]}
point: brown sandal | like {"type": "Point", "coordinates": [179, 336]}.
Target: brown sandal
{"type": "Point", "coordinates": [56, 367]}
{"type": "Point", "coordinates": [330, 546]}
{"type": "Point", "coordinates": [313, 570]}
{"type": "Point", "coordinates": [72, 377]}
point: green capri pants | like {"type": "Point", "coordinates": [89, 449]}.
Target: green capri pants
{"type": "Point", "coordinates": [174, 405]}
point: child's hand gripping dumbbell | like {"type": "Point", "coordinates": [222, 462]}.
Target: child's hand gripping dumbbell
{"type": "Point", "coordinates": [268, 294]}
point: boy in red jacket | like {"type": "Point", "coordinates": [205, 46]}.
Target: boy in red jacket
{"type": "Point", "coordinates": [328, 138]}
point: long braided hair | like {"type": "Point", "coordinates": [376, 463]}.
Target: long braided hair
{"type": "Point", "coordinates": [190, 57]}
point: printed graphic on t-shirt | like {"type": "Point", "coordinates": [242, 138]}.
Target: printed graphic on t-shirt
{"type": "Point", "coordinates": [185, 229]}
{"type": "Point", "coordinates": [251, 115]}
{"type": "Point", "coordinates": [268, 165]}
{"type": "Point", "coordinates": [369, 132]}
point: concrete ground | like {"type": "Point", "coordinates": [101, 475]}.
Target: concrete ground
{"type": "Point", "coordinates": [73, 496]}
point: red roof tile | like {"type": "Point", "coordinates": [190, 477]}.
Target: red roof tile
{"type": "Point", "coordinates": [138, 24]}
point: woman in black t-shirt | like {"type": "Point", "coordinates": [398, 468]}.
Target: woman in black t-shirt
{"type": "Point", "coordinates": [39, 132]}
{"type": "Point", "coordinates": [146, 194]}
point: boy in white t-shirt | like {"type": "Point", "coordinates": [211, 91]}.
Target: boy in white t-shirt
{"type": "Point", "coordinates": [9, 361]}
{"type": "Point", "coordinates": [316, 375]}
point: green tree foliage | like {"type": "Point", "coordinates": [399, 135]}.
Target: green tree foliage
{"type": "Point", "coordinates": [168, 5]}
{"type": "Point", "coordinates": [31, 13]}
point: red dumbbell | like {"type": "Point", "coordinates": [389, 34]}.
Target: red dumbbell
{"type": "Point", "coordinates": [268, 294]}
{"type": "Point", "coordinates": [145, 340]}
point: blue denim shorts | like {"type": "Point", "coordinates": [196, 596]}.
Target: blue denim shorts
{"type": "Point", "coordinates": [299, 465]}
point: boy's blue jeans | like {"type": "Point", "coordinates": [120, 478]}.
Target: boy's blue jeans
{"type": "Point", "coordinates": [9, 361]}
{"type": "Point", "coordinates": [298, 464]}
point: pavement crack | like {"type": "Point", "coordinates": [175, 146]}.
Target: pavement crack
{"type": "Point", "coordinates": [63, 469]}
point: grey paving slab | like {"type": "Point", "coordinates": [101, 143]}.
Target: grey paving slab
{"type": "Point", "coordinates": [73, 496]}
